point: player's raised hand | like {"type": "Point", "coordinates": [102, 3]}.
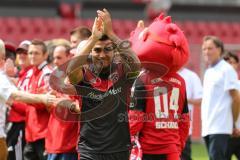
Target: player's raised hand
{"type": "Point", "coordinates": [97, 29]}
{"type": "Point", "coordinates": [107, 21]}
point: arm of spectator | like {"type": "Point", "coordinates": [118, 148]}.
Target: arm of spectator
{"type": "Point", "coordinates": [74, 68]}
{"type": "Point", "coordinates": [43, 88]}
{"type": "Point", "coordinates": [195, 102]}
{"type": "Point", "coordinates": [235, 103]}
{"type": "Point", "coordinates": [196, 97]}
{"type": "Point", "coordinates": [30, 98]}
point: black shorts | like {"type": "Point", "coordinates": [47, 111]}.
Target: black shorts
{"type": "Point", "coordinates": [154, 157]}
{"type": "Point", "coordinates": [106, 156]}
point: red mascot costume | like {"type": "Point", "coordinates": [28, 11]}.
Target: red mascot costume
{"type": "Point", "coordinates": [158, 112]}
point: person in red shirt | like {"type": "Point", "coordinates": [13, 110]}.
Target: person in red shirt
{"type": "Point", "coordinates": [37, 115]}
{"type": "Point", "coordinates": [62, 146]}
{"type": "Point", "coordinates": [16, 134]}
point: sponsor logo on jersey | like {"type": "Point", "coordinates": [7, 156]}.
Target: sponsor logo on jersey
{"type": "Point", "coordinates": [113, 91]}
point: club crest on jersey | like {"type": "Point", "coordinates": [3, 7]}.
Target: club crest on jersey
{"type": "Point", "coordinates": [156, 80]}
{"type": "Point", "coordinates": [114, 77]}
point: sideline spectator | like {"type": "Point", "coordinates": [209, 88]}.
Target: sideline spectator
{"type": "Point", "coordinates": [234, 143]}
{"type": "Point", "coordinates": [8, 93]}
{"type": "Point", "coordinates": [194, 97]}
{"type": "Point", "coordinates": [16, 134]}
{"type": "Point", "coordinates": [79, 34]}
{"type": "Point", "coordinates": [37, 115]}
{"type": "Point", "coordinates": [220, 101]}
{"type": "Point", "coordinates": [62, 146]}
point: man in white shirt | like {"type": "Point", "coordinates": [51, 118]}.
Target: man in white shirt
{"type": "Point", "coordinates": [234, 143]}
{"type": "Point", "coordinates": [9, 92]}
{"type": "Point", "coordinates": [194, 96]}
{"type": "Point", "coordinates": [220, 101]}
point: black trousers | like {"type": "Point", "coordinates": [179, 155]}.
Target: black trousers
{"type": "Point", "coordinates": [186, 153]}
{"type": "Point", "coordinates": [109, 156]}
{"type": "Point", "coordinates": [234, 148]}
{"type": "Point", "coordinates": [173, 156]}
{"type": "Point", "coordinates": [217, 146]}
{"type": "Point", "coordinates": [16, 141]}
{"type": "Point", "coordinates": [35, 150]}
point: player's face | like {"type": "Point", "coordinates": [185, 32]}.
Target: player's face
{"type": "Point", "coordinates": [60, 56]}
{"type": "Point", "coordinates": [23, 59]}
{"type": "Point", "coordinates": [75, 40]}
{"type": "Point", "coordinates": [211, 52]}
{"type": "Point", "coordinates": [102, 53]}
{"type": "Point", "coordinates": [36, 55]}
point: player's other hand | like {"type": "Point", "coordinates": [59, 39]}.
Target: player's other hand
{"type": "Point", "coordinates": [105, 16]}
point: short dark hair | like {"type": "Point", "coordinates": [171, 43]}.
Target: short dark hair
{"type": "Point", "coordinates": [217, 41]}
{"type": "Point", "coordinates": [229, 54]}
{"type": "Point", "coordinates": [104, 38]}
{"type": "Point", "coordinates": [38, 42]}
{"type": "Point", "coordinates": [82, 31]}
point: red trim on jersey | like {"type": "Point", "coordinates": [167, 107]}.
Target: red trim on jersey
{"type": "Point", "coordinates": [96, 82]}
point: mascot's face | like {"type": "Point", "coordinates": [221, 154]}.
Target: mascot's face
{"type": "Point", "coordinates": [162, 42]}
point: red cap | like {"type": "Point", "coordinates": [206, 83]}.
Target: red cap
{"type": "Point", "coordinates": [10, 46]}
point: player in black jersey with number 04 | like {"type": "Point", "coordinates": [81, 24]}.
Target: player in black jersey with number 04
{"type": "Point", "coordinates": [103, 72]}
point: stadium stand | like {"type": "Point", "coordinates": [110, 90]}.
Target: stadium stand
{"type": "Point", "coordinates": [14, 29]}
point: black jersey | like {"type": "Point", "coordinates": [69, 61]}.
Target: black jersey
{"type": "Point", "coordinates": [104, 120]}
